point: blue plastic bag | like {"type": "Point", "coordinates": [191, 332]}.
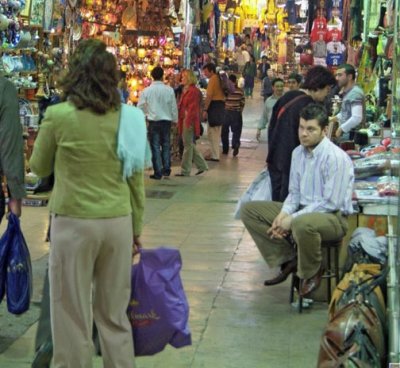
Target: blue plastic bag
{"type": "Point", "coordinates": [159, 310]}
{"type": "Point", "coordinates": [19, 270]}
{"type": "Point", "coordinates": [5, 242]}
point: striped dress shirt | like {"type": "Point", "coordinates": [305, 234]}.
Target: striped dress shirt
{"type": "Point", "coordinates": [320, 181]}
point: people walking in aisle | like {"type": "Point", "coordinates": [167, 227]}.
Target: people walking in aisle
{"type": "Point", "coordinates": [284, 124]}
{"type": "Point", "coordinates": [263, 67]}
{"type": "Point", "coordinates": [249, 74]}
{"type": "Point", "coordinates": [234, 105]}
{"type": "Point", "coordinates": [239, 58]}
{"type": "Point", "coordinates": [11, 148]}
{"type": "Point", "coordinates": [266, 84]}
{"type": "Point", "coordinates": [97, 152]}
{"type": "Point", "coordinates": [214, 109]}
{"type": "Point", "coordinates": [123, 88]}
{"type": "Point", "coordinates": [158, 102]}
{"type": "Point", "coordinates": [189, 111]}
{"type": "Point", "coordinates": [294, 81]}
{"type": "Point", "coordinates": [245, 53]}
{"type": "Point", "coordinates": [319, 200]}
{"type": "Point", "coordinates": [277, 91]}
{"type": "Point", "coordinates": [353, 103]}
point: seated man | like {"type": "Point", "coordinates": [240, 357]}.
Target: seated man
{"type": "Point", "coordinates": [319, 200]}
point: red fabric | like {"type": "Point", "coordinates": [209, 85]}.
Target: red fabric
{"type": "Point", "coordinates": [334, 35]}
{"type": "Point", "coordinates": [190, 103]}
{"type": "Point", "coordinates": [319, 31]}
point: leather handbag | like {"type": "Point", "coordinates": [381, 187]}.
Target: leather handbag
{"type": "Point", "coordinates": [353, 338]}
{"type": "Point", "coordinates": [363, 282]}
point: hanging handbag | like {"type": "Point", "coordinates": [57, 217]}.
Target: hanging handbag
{"type": "Point", "coordinates": [353, 338]}
{"type": "Point", "coordinates": [362, 280]}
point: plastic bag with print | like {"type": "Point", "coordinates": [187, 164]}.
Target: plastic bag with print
{"type": "Point", "coordinates": [159, 310]}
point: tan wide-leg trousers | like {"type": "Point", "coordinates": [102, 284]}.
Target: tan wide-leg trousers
{"type": "Point", "coordinates": [308, 231]}
{"type": "Point", "coordinates": [214, 136]}
{"type": "Point", "coordinates": [191, 153]}
{"type": "Point", "coordinates": [89, 269]}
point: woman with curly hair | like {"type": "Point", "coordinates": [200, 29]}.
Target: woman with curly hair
{"type": "Point", "coordinates": [96, 208]}
{"type": "Point", "coordinates": [189, 124]}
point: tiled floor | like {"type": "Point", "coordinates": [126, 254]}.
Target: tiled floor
{"type": "Point", "coordinates": [236, 322]}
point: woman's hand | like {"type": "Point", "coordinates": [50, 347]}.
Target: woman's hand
{"type": "Point", "coordinates": [15, 206]}
{"type": "Point", "coordinates": [137, 245]}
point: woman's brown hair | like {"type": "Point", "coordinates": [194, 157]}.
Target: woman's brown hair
{"type": "Point", "coordinates": [92, 78]}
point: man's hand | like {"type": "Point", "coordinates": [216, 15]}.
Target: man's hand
{"type": "Point", "coordinates": [205, 115]}
{"type": "Point", "coordinates": [333, 119]}
{"type": "Point", "coordinates": [278, 229]}
{"type": "Point", "coordinates": [286, 223]}
{"type": "Point", "coordinates": [338, 133]}
{"type": "Point", "coordinates": [258, 135]}
{"type": "Point", "coordinates": [15, 206]}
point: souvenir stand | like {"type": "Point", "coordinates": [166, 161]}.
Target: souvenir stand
{"type": "Point", "coordinates": [292, 34]}
{"type": "Point", "coordinates": [139, 34]}
{"type": "Point", "coordinates": [376, 190]}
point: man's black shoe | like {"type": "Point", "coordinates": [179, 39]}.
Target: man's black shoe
{"type": "Point", "coordinates": [286, 269]}
{"type": "Point", "coordinates": [155, 177]}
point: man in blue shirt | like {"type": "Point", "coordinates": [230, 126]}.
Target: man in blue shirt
{"type": "Point", "coordinates": [320, 191]}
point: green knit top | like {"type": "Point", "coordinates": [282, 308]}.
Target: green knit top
{"type": "Point", "coordinates": [81, 148]}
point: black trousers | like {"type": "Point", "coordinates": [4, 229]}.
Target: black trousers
{"type": "Point", "coordinates": [279, 183]}
{"type": "Point", "coordinates": [233, 121]}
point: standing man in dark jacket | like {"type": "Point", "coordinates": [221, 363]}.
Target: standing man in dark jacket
{"type": "Point", "coordinates": [284, 124]}
{"type": "Point", "coordinates": [11, 145]}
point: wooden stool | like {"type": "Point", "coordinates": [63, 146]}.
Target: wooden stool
{"type": "Point", "coordinates": [331, 271]}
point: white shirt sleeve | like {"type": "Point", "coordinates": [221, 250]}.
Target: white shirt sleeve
{"type": "Point", "coordinates": [355, 119]}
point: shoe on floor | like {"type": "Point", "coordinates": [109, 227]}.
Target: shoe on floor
{"type": "Point", "coordinates": [43, 356]}
{"type": "Point", "coordinates": [180, 174]}
{"type": "Point", "coordinates": [212, 159]}
{"type": "Point", "coordinates": [235, 151]}
{"type": "Point", "coordinates": [200, 172]}
{"type": "Point", "coordinates": [286, 269]}
{"type": "Point", "coordinates": [311, 284]}
{"type": "Point", "coordinates": [155, 177]}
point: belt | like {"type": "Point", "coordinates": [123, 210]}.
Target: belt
{"type": "Point", "coordinates": [159, 121]}
{"type": "Point", "coordinates": [334, 212]}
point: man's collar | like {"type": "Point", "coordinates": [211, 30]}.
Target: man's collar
{"type": "Point", "coordinates": [348, 90]}
{"type": "Point", "coordinates": [318, 149]}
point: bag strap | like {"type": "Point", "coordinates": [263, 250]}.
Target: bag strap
{"type": "Point", "coordinates": [288, 104]}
